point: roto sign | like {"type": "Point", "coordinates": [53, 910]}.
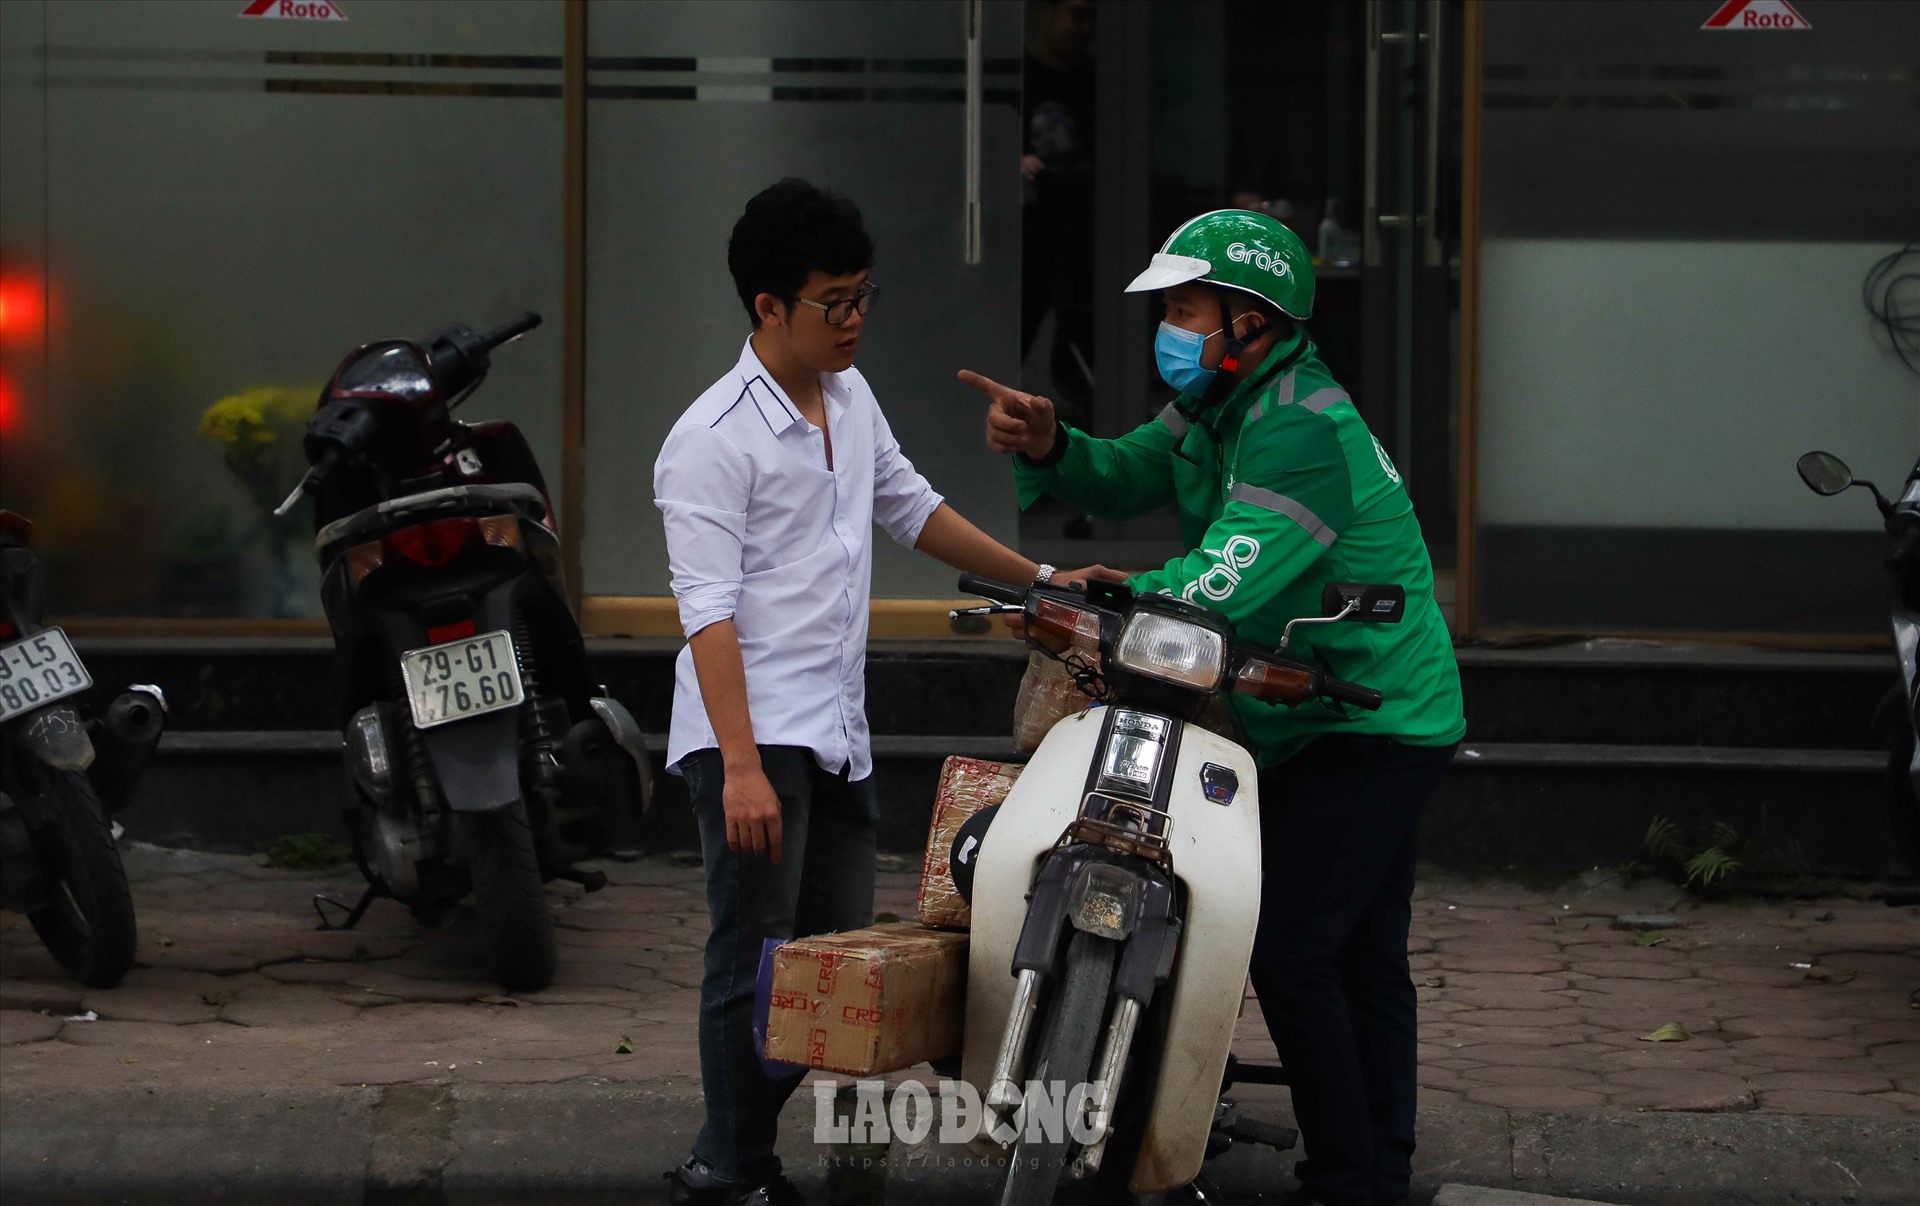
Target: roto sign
{"type": "Point", "coordinates": [1757, 14]}
{"type": "Point", "coordinates": [294, 10]}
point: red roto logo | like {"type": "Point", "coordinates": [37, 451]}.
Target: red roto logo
{"type": "Point", "coordinates": [294, 10]}
{"type": "Point", "coordinates": [1757, 14]}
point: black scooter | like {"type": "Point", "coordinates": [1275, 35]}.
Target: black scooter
{"type": "Point", "coordinates": [480, 751]}
{"type": "Point", "coordinates": [1898, 717]}
{"type": "Point", "coordinates": [62, 779]}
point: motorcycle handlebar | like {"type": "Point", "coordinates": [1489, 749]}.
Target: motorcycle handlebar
{"type": "Point", "coordinates": [1353, 693]}
{"type": "Point", "coordinates": [989, 588]}
{"type": "Point", "coordinates": [1904, 546]}
{"type": "Point", "coordinates": [510, 331]}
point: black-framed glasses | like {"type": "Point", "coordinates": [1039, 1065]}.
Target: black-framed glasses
{"type": "Point", "coordinates": [838, 312]}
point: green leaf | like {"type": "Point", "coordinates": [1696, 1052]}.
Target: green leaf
{"type": "Point", "coordinates": [1663, 840]}
{"type": "Point", "coordinates": [625, 1047]}
{"type": "Point", "coordinates": [1645, 938]}
{"type": "Point", "coordinates": [1709, 865]}
{"type": "Point", "coordinates": [1672, 1032]}
{"type": "Point", "coordinates": [216, 999]}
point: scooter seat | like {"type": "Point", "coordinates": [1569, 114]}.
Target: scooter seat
{"type": "Point", "coordinates": [514, 497]}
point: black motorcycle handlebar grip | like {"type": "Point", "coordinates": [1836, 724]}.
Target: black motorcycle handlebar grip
{"type": "Point", "coordinates": [988, 588]}
{"type": "Point", "coordinates": [1353, 693]}
{"type": "Point", "coordinates": [328, 462]}
{"type": "Point", "coordinates": [512, 330]}
{"type": "Point", "coordinates": [1904, 546]}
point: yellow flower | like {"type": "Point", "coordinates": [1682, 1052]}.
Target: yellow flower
{"type": "Point", "coordinates": [248, 419]}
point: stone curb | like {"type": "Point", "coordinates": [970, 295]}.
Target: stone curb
{"type": "Point", "coordinates": [606, 1143]}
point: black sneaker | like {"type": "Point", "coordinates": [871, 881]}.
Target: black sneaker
{"type": "Point", "coordinates": [693, 1184]}
{"type": "Point", "coordinates": [775, 1192]}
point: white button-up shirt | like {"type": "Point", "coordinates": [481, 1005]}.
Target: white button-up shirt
{"type": "Point", "coordinates": [761, 532]}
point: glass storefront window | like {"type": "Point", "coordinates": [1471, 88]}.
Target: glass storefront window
{"type": "Point", "coordinates": [1677, 225]}
{"type": "Point", "coordinates": [200, 214]}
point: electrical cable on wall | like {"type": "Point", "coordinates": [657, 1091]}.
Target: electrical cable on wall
{"type": "Point", "coordinates": [1901, 321]}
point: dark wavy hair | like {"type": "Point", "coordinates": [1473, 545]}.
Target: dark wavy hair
{"type": "Point", "coordinates": [790, 230]}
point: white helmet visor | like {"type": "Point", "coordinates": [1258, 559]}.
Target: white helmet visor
{"type": "Point", "coordinates": [1165, 271]}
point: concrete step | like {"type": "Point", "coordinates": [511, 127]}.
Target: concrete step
{"type": "Point", "coordinates": [1607, 692]}
{"type": "Point", "coordinates": [1453, 1194]}
{"type": "Point", "coordinates": [1506, 804]}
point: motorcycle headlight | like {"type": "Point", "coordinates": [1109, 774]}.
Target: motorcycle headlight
{"type": "Point", "coordinates": [1172, 651]}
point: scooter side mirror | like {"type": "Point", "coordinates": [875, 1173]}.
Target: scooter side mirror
{"type": "Point", "coordinates": [1824, 473]}
{"type": "Point", "coordinates": [1366, 602]}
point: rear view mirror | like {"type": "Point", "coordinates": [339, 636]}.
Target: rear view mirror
{"type": "Point", "coordinates": [1824, 472]}
{"type": "Point", "coordinates": [1372, 603]}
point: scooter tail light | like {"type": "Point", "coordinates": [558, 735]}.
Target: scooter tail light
{"type": "Point", "coordinates": [434, 544]}
{"type": "Point", "coordinates": [363, 559]}
{"type": "Point", "coordinates": [1275, 683]}
{"type": "Point", "coordinates": [1077, 628]}
{"type": "Point", "coordinates": [501, 531]}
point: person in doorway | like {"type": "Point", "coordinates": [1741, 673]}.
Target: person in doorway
{"type": "Point", "coordinates": [1281, 489]}
{"type": "Point", "coordinates": [1056, 164]}
{"type": "Point", "coordinates": [770, 485]}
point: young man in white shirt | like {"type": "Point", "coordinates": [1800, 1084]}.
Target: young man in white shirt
{"type": "Point", "coordinates": [770, 485]}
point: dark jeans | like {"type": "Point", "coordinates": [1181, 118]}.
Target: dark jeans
{"type": "Point", "coordinates": [1339, 824]}
{"type": "Point", "coordinates": [824, 882]}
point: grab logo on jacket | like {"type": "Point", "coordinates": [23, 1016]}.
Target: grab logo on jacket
{"type": "Point", "coordinates": [1219, 583]}
{"type": "Point", "coordinates": [1386, 462]}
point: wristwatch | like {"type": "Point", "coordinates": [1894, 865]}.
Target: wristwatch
{"type": "Point", "coordinates": [1044, 576]}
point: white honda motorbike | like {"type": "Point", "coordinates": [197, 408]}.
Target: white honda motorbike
{"type": "Point", "coordinates": [1116, 891]}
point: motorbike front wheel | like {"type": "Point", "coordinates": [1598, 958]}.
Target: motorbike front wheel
{"type": "Point", "coordinates": [88, 922]}
{"type": "Point", "coordinates": [1066, 1056]}
{"type": "Point", "coordinates": [505, 869]}
{"type": "Point", "coordinates": [1903, 806]}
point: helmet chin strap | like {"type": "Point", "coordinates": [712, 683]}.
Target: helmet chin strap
{"type": "Point", "coordinates": [1223, 381]}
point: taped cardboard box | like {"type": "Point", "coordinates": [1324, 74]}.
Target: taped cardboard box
{"type": "Point", "coordinates": [864, 1002]}
{"type": "Point", "coordinates": [1047, 696]}
{"type": "Point", "coordinates": [966, 786]}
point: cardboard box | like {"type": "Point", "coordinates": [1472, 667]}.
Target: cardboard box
{"type": "Point", "coordinates": [966, 786]}
{"type": "Point", "coordinates": [864, 1002]}
{"type": "Point", "coordinates": [1047, 696]}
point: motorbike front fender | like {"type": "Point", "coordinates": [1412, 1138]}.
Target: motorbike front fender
{"type": "Point", "coordinates": [56, 736]}
{"type": "Point", "coordinates": [477, 760]}
{"type": "Point", "coordinates": [1216, 857]}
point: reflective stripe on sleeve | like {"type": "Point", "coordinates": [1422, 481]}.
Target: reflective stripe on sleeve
{"type": "Point", "coordinates": [1320, 399]}
{"type": "Point", "coordinates": [1282, 505]}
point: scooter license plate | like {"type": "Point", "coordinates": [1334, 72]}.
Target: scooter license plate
{"type": "Point", "coordinates": [462, 679]}
{"type": "Point", "coordinates": [38, 670]}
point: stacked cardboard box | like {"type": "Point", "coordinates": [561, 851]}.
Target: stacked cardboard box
{"type": "Point", "coordinates": [864, 1002]}
{"type": "Point", "coordinates": [967, 785]}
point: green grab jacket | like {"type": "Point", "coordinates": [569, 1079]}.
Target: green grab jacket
{"type": "Point", "coordinates": [1281, 489]}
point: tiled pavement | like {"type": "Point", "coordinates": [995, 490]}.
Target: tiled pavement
{"type": "Point", "coordinates": [1531, 1000]}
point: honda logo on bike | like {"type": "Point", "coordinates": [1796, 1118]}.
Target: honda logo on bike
{"type": "Point", "coordinates": [1757, 14]}
{"type": "Point", "coordinates": [294, 10]}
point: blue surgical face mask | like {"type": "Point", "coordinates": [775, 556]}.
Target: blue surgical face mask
{"type": "Point", "coordinates": [1177, 352]}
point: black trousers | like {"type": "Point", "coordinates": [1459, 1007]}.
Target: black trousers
{"type": "Point", "coordinates": [1339, 825]}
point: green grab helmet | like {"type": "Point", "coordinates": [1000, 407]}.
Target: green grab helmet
{"type": "Point", "coordinates": [1236, 249]}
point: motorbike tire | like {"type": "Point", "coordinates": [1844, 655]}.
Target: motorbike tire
{"type": "Point", "coordinates": [1066, 1055]}
{"type": "Point", "coordinates": [1903, 807]}
{"type": "Point", "coordinates": [505, 870]}
{"type": "Point", "coordinates": [89, 926]}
